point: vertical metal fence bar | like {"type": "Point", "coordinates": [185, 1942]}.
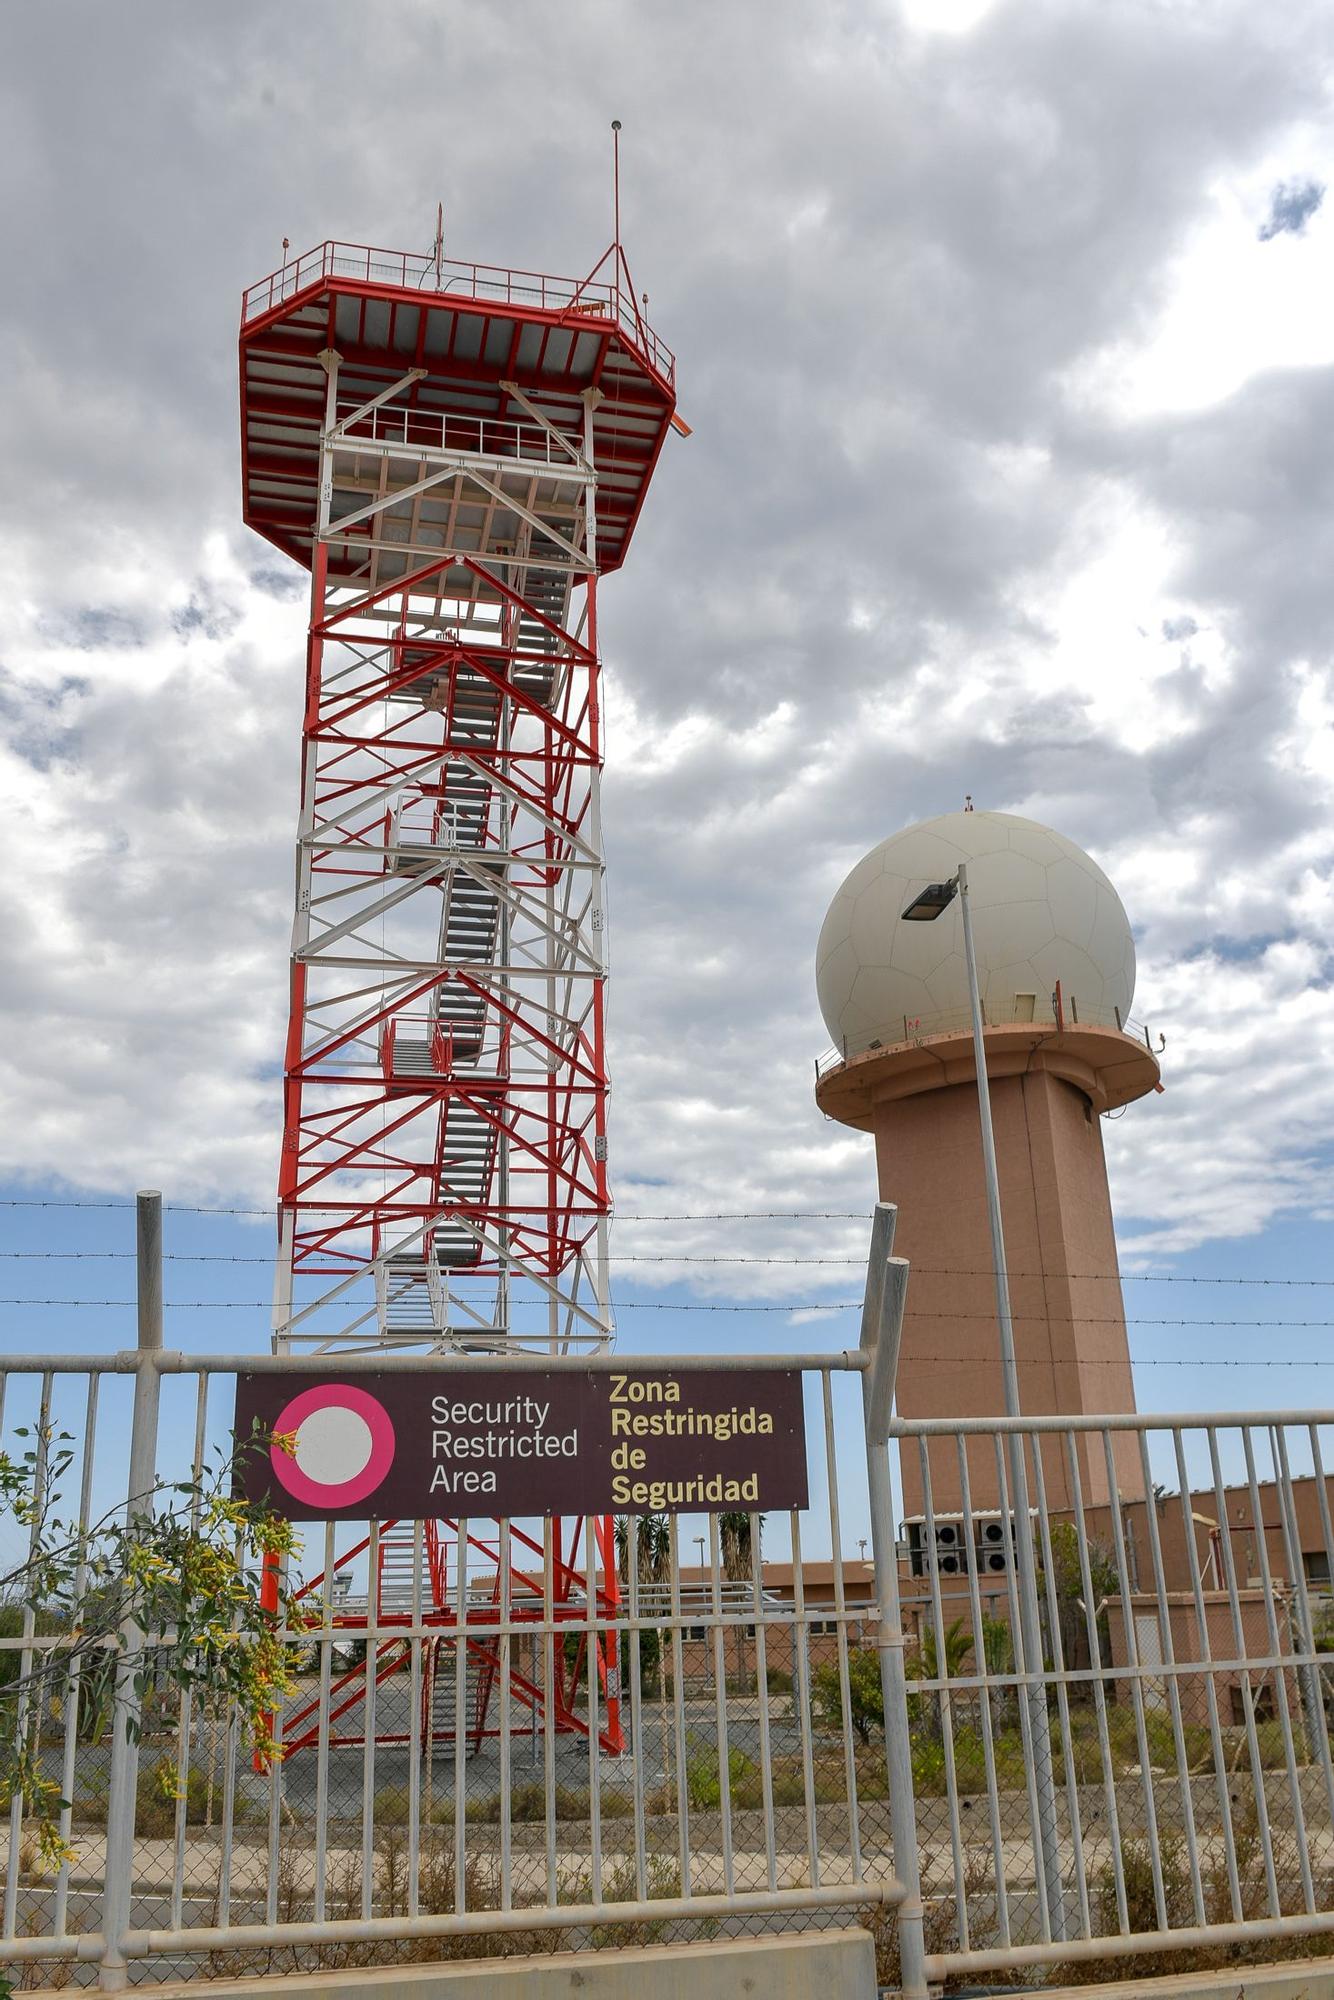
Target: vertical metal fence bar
{"type": "Point", "coordinates": [801, 1681]}
{"type": "Point", "coordinates": [881, 1336]}
{"type": "Point", "coordinates": [460, 1713]}
{"type": "Point", "coordinates": [183, 1738]}
{"type": "Point", "coordinates": [719, 1649]}
{"type": "Point", "coordinates": [944, 1705]}
{"type": "Point", "coordinates": [1059, 1662]}
{"type": "Point", "coordinates": [1022, 1690]}
{"type": "Point", "coordinates": [762, 1698]}
{"type": "Point", "coordinates": [678, 1707]}
{"type": "Point", "coordinates": [1210, 1681]}
{"type": "Point", "coordinates": [638, 1748]}
{"type": "Point", "coordinates": [549, 1660]}
{"type": "Point", "coordinates": [984, 1713]}
{"type": "Point", "coordinates": [1136, 1682]}
{"type": "Point", "coordinates": [231, 1748]}
{"type": "Point", "coordinates": [1091, 1613]}
{"type": "Point", "coordinates": [506, 1782]}
{"type": "Point", "coordinates": [122, 1797]}
{"type": "Point", "coordinates": [26, 1705]}
{"type": "Point", "coordinates": [326, 1643]}
{"type": "Point", "coordinates": [74, 1690]}
{"type": "Point", "coordinates": [416, 1645]}
{"type": "Point", "coordinates": [275, 1829]}
{"type": "Point", "coordinates": [374, 1607]}
{"type": "Point", "coordinates": [594, 1719]}
{"type": "Point", "coordinates": [1242, 1652]}
{"type": "Point", "coordinates": [840, 1620]}
{"type": "Point", "coordinates": [1168, 1649]}
{"type": "Point", "coordinates": [1280, 1677]}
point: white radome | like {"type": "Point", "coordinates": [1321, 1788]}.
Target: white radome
{"type": "Point", "coordinates": [1042, 912]}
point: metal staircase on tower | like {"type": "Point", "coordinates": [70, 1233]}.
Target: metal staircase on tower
{"type": "Point", "coordinates": [448, 830]}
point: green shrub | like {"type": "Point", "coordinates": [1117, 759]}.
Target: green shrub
{"type": "Point", "coordinates": [159, 1790]}
{"type": "Point", "coordinates": [620, 1885]}
{"type": "Point", "coordinates": [866, 1702]}
{"type": "Point", "coordinates": [970, 1764]}
{"type": "Point", "coordinates": [704, 1788]}
{"type": "Point", "coordinates": [528, 1805]}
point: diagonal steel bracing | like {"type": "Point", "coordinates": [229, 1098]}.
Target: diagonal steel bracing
{"type": "Point", "coordinates": [445, 1128]}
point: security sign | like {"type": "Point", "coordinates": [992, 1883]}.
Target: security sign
{"type": "Point", "coordinates": [415, 1446]}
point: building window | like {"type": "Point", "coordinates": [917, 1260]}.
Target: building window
{"type": "Point", "coordinates": [1316, 1566]}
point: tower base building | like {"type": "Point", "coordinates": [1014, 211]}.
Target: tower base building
{"type": "Point", "coordinates": [1056, 972]}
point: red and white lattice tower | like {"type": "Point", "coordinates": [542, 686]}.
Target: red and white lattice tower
{"type": "Point", "coordinates": [457, 453]}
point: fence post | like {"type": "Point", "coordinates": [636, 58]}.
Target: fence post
{"type": "Point", "coordinates": [122, 1793]}
{"type": "Point", "coordinates": [882, 1330]}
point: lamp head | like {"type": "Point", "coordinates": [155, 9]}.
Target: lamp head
{"type": "Point", "coordinates": [928, 904]}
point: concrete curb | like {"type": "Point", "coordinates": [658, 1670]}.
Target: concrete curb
{"type": "Point", "coordinates": [1302, 1979]}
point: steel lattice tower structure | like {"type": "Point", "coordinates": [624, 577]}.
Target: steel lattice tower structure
{"type": "Point", "coordinates": [458, 454]}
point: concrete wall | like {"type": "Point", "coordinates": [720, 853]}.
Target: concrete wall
{"type": "Point", "coordinates": [836, 1965]}
{"type": "Point", "coordinates": [1219, 1641]}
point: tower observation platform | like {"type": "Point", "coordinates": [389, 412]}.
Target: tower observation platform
{"type": "Point", "coordinates": [457, 453]}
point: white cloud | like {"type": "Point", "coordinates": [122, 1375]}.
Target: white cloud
{"type": "Point", "coordinates": [1236, 304]}
{"type": "Point", "coordinates": [1009, 476]}
{"type": "Point", "coordinates": [945, 17]}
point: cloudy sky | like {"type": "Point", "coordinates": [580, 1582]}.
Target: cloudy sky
{"type": "Point", "coordinates": [1005, 333]}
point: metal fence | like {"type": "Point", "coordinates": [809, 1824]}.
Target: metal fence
{"type": "Point", "coordinates": [429, 1804]}
{"type": "Point", "coordinates": [1183, 1798]}
{"type": "Point", "coordinates": [1143, 1771]}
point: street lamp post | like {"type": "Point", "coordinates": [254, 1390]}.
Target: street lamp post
{"type": "Point", "coordinates": [925, 908]}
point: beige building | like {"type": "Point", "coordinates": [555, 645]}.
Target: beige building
{"type": "Point", "coordinates": [815, 1587]}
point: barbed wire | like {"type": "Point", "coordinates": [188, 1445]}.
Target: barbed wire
{"type": "Point", "coordinates": [684, 1257]}
{"type": "Point", "coordinates": [622, 1215]}
{"type": "Point", "coordinates": [647, 1257]}
{"type": "Point", "coordinates": [618, 1215]}
{"type": "Point", "coordinates": [813, 1306]}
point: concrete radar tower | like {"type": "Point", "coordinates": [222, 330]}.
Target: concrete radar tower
{"type": "Point", "coordinates": [1056, 970]}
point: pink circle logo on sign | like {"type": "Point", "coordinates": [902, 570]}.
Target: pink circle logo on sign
{"type": "Point", "coordinates": [344, 1445]}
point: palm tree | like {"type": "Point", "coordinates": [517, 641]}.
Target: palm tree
{"type": "Point", "coordinates": [958, 1646]}
{"type": "Point", "coordinates": [927, 1665]}
{"type": "Point", "coordinates": [653, 1554]}
{"type": "Point", "coordinates": [736, 1548]}
{"type": "Point", "coordinates": [653, 1546]}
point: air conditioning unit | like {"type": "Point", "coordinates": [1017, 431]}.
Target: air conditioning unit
{"type": "Point", "coordinates": [948, 1553]}
{"type": "Point", "coordinates": [992, 1539]}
